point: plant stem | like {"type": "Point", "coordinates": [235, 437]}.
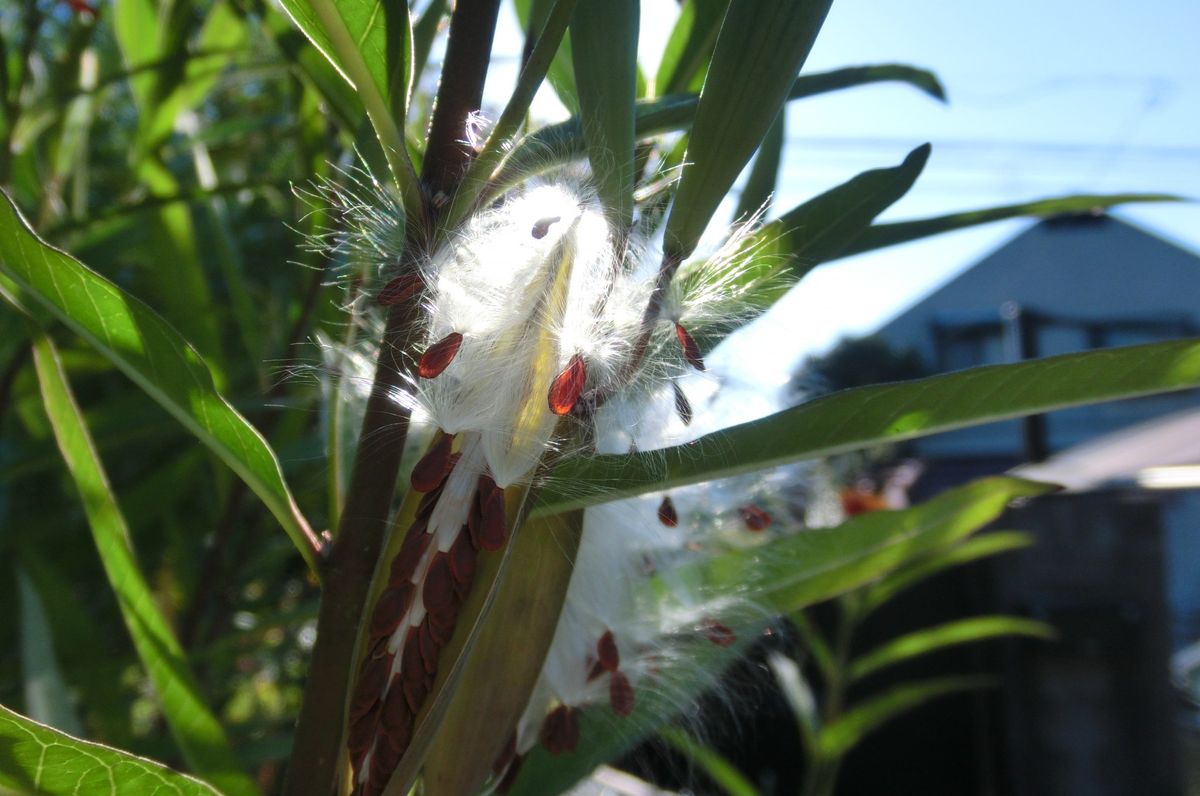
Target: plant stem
{"type": "Point", "coordinates": [364, 521]}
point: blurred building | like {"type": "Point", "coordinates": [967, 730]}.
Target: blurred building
{"type": "Point", "coordinates": [1116, 567]}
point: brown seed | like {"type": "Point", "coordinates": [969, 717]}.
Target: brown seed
{"type": "Point", "coordinates": [595, 671]}
{"type": "Point", "coordinates": [754, 518]}
{"type": "Point", "coordinates": [560, 730]}
{"type": "Point", "coordinates": [620, 694]}
{"type": "Point", "coordinates": [396, 716]}
{"type": "Point", "coordinates": [404, 565]}
{"type": "Point", "coordinates": [719, 634]}
{"type": "Point", "coordinates": [434, 466]}
{"type": "Point", "coordinates": [607, 654]}
{"type": "Point", "coordinates": [683, 407]}
{"type": "Point", "coordinates": [439, 356]}
{"type": "Point", "coordinates": [441, 626]}
{"type": "Point", "coordinates": [399, 289]}
{"type": "Point", "coordinates": [415, 692]}
{"type": "Point", "coordinates": [428, 502]}
{"type": "Point", "coordinates": [691, 351]}
{"type": "Point", "coordinates": [666, 512]}
{"type": "Point", "coordinates": [474, 522]}
{"type": "Point", "coordinates": [568, 386]}
{"type": "Point", "coordinates": [383, 763]}
{"type": "Point", "coordinates": [373, 675]}
{"type": "Point", "coordinates": [428, 646]}
{"type": "Point", "coordinates": [362, 703]}
{"type": "Point", "coordinates": [493, 522]}
{"type": "Point", "coordinates": [391, 608]}
{"type": "Point", "coordinates": [438, 592]}
{"type": "Point", "coordinates": [362, 732]}
{"type": "Point", "coordinates": [462, 561]}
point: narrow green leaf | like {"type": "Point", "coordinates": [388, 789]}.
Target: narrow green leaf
{"type": "Point", "coordinates": [424, 32]}
{"type": "Point", "coordinates": [686, 56]}
{"type": "Point", "coordinates": [760, 185]}
{"type": "Point", "coordinates": [554, 144]}
{"type": "Point", "coordinates": [723, 773]}
{"type": "Point", "coordinates": [46, 696]}
{"type": "Point", "coordinates": [533, 15]}
{"type": "Point", "coordinates": [872, 415]}
{"type": "Point", "coordinates": [513, 116]}
{"type": "Point", "coordinates": [35, 759]}
{"type": "Point", "coordinates": [196, 730]}
{"type": "Point", "coordinates": [863, 719]}
{"type": "Point", "coordinates": [933, 639]}
{"type": "Point", "coordinates": [882, 235]}
{"type": "Point", "coordinates": [791, 572]}
{"type": "Point", "coordinates": [914, 572]}
{"type": "Point", "coordinates": [760, 48]}
{"type": "Point", "coordinates": [604, 37]}
{"type": "Point", "coordinates": [153, 355]}
{"type": "Point", "coordinates": [339, 96]}
{"type": "Point", "coordinates": [370, 44]}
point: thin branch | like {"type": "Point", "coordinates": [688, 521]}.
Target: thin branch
{"type": "Point", "coordinates": [363, 527]}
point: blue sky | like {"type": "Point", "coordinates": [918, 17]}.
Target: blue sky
{"type": "Point", "coordinates": [1046, 98]}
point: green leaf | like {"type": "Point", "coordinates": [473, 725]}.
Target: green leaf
{"type": "Point", "coordinates": [760, 185]}
{"type": "Point", "coordinates": [723, 773]}
{"type": "Point", "coordinates": [686, 56]}
{"type": "Point", "coordinates": [35, 759]}
{"type": "Point", "coordinates": [532, 15]}
{"type": "Point", "coordinates": [858, 722]}
{"type": "Point", "coordinates": [196, 730]}
{"type": "Point", "coordinates": [424, 32]}
{"type": "Point", "coordinates": [552, 145]}
{"type": "Point", "coordinates": [795, 571]}
{"type": "Point", "coordinates": [933, 639]}
{"type": "Point", "coordinates": [605, 39]}
{"type": "Point", "coordinates": [882, 235]}
{"type": "Point", "coordinates": [45, 692]}
{"type": "Point", "coordinates": [153, 355]}
{"type": "Point", "coordinates": [370, 43]}
{"type": "Point", "coordinates": [760, 48]}
{"type": "Point", "coordinates": [914, 572]}
{"type": "Point", "coordinates": [868, 416]}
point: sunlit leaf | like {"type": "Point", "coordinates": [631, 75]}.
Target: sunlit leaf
{"type": "Point", "coordinates": [940, 560]}
{"type": "Point", "coordinates": [605, 36]}
{"type": "Point", "coordinates": [685, 58]}
{"type": "Point", "coordinates": [532, 15]}
{"type": "Point", "coordinates": [370, 44]}
{"type": "Point", "coordinates": [759, 50]}
{"type": "Point", "coordinates": [150, 353]}
{"type": "Point", "coordinates": [866, 717]}
{"type": "Point", "coordinates": [196, 730]}
{"type": "Point", "coordinates": [933, 639]}
{"type": "Point", "coordinates": [868, 416]}
{"type": "Point", "coordinates": [35, 759]}
{"type": "Point", "coordinates": [882, 235]}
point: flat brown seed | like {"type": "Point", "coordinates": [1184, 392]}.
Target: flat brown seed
{"type": "Point", "coordinates": [620, 694]}
{"type": "Point", "coordinates": [404, 565]}
{"type": "Point", "coordinates": [560, 730]}
{"type": "Point", "coordinates": [391, 608]}
{"type": "Point", "coordinates": [683, 407]}
{"type": "Point", "coordinates": [439, 356]}
{"type": "Point", "coordinates": [399, 289]}
{"type": "Point", "coordinates": [754, 518]}
{"type": "Point", "coordinates": [438, 592]}
{"type": "Point", "coordinates": [428, 646]}
{"type": "Point", "coordinates": [373, 676]}
{"type": "Point", "coordinates": [667, 514]}
{"type": "Point", "coordinates": [607, 654]}
{"type": "Point", "coordinates": [434, 466]}
{"type": "Point", "coordinates": [462, 560]}
{"type": "Point", "coordinates": [568, 386]}
{"type": "Point", "coordinates": [719, 634]}
{"type": "Point", "coordinates": [396, 716]}
{"type": "Point", "coordinates": [493, 520]}
{"type": "Point", "coordinates": [542, 226]}
{"type": "Point", "coordinates": [691, 351]}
